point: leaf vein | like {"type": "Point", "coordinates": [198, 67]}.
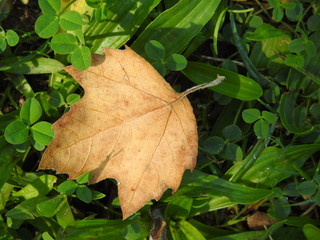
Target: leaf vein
{"type": "Point", "coordinates": [151, 159]}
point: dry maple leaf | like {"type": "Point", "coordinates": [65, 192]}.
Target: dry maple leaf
{"type": "Point", "coordinates": [130, 125]}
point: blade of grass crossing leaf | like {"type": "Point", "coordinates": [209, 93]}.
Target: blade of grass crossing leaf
{"type": "Point", "coordinates": [177, 26]}
{"type": "Point", "coordinates": [244, 165]}
{"type": "Point", "coordinates": [124, 18]}
{"type": "Point", "coordinates": [216, 29]}
{"type": "Point", "coordinates": [247, 62]}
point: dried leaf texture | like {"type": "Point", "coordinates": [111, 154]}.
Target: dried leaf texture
{"type": "Point", "coordinates": [130, 125]}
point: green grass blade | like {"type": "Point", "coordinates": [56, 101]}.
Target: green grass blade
{"type": "Point", "coordinates": [245, 58]}
{"type": "Point", "coordinates": [219, 22]}
{"type": "Point", "coordinates": [311, 231]}
{"type": "Point", "coordinates": [207, 204]}
{"type": "Point", "coordinates": [93, 229]}
{"type": "Point", "coordinates": [124, 18]}
{"type": "Point", "coordinates": [235, 85]}
{"type": "Point", "coordinates": [275, 164]}
{"type": "Point", "coordinates": [240, 168]}
{"type": "Point", "coordinates": [207, 31]}
{"type": "Point", "coordinates": [197, 182]}
{"type": "Point", "coordinates": [183, 230]}
{"type": "Point", "coordinates": [177, 26]}
{"type": "Point", "coordinates": [33, 65]}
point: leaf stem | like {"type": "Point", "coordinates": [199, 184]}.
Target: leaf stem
{"type": "Point", "coordinates": [213, 83]}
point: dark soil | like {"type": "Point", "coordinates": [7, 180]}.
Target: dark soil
{"type": "Point", "coordinates": [22, 16]}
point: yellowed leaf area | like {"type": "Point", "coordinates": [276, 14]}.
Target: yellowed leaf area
{"type": "Point", "coordinates": [130, 125]}
{"type": "Point", "coordinates": [79, 6]}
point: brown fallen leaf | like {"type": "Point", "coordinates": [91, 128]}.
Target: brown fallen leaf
{"type": "Point", "coordinates": [130, 125]}
{"type": "Point", "coordinates": [259, 220]}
